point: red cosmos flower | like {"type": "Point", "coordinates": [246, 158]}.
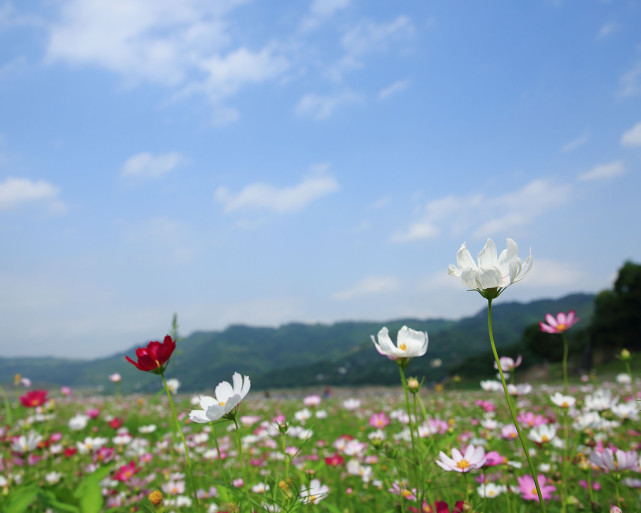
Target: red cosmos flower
{"type": "Point", "coordinates": [34, 398]}
{"type": "Point", "coordinates": [115, 423]}
{"type": "Point", "coordinates": [334, 460]}
{"type": "Point", "coordinates": [126, 471]}
{"type": "Point", "coordinates": [155, 356]}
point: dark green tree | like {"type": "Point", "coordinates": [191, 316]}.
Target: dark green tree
{"type": "Point", "coordinates": [616, 323]}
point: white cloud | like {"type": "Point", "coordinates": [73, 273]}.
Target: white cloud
{"type": "Point", "coordinates": [575, 143]}
{"type": "Point", "coordinates": [181, 45]}
{"type": "Point", "coordinates": [368, 37]}
{"type": "Point", "coordinates": [631, 82]}
{"type": "Point", "coordinates": [392, 89]}
{"type": "Point", "coordinates": [485, 215]}
{"type": "Point", "coordinates": [603, 172]}
{"type": "Point", "coordinates": [265, 196]}
{"type": "Point", "coordinates": [322, 107]}
{"type": "Point", "coordinates": [550, 274]}
{"type": "Point", "coordinates": [606, 30]}
{"type": "Point", "coordinates": [146, 165]}
{"type": "Point", "coordinates": [368, 286]}
{"type": "Point", "coordinates": [320, 10]}
{"type": "Point", "coordinates": [521, 207]}
{"type": "Point", "coordinates": [632, 137]}
{"type": "Point", "coordinates": [15, 192]}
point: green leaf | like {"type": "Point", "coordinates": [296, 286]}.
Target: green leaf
{"type": "Point", "coordinates": [21, 499]}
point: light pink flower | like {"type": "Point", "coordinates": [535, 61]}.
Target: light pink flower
{"type": "Point", "coordinates": [508, 364]}
{"type": "Point", "coordinates": [560, 323]}
{"type": "Point", "coordinates": [615, 461]}
{"type": "Point", "coordinates": [528, 489]}
{"type": "Point", "coordinates": [312, 400]}
{"type": "Point", "coordinates": [379, 420]}
{"type": "Point", "coordinates": [473, 458]}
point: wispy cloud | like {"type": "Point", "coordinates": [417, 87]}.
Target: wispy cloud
{"type": "Point", "coordinates": [630, 84]}
{"type": "Point", "coordinates": [184, 46]}
{"type": "Point", "coordinates": [263, 196]}
{"type": "Point", "coordinates": [321, 107]}
{"type": "Point", "coordinates": [603, 172]}
{"type": "Point", "coordinates": [370, 37]}
{"type": "Point", "coordinates": [320, 10]}
{"type": "Point", "coordinates": [575, 143]}
{"type": "Point", "coordinates": [367, 287]}
{"type": "Point", "coordinates": [146, 165]}
{"type": "Point", "coordinates": [392, 89]}
{"type": "Point", "coordinates": [606, 30]}
{"type": "Point", "coordinates": [632, 137]}
{"type": "Point", "coordinates": [485, 216]}
{"type": "Point", "coordinates": [16, 192]}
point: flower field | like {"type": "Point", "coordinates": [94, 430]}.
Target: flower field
{"type": "Point", "coordinates": [350, 451]}
{"type": "Point", "coordinates": [507, 447]}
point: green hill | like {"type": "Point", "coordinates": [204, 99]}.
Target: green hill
{"type": "Point", "coordinates": [301, 354]}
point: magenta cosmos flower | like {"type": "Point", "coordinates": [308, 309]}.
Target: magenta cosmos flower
{"type": "Point", "coordinates": [155, 356]}
{"type": "Point", "coordinates": [560, 323]}
{"type": "Point", "coordinates": [473, 458]}
{"type": "Point", "coordinates": [528, 489]}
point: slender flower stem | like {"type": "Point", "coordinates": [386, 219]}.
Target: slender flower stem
{"type": "Point", "coordinates": [415, 462]}
{"type": "Point", "coordinates": [220, 458]}
{"type": "Point", "coordinates": [7, 408]}
{"type": "Point", "coordinates": [511, 407]}
{"type": "Point", "coordinates": [565, 363]}
{"type": "Point", "coordinates": [182, 436]}
{"type": "Point", "coordinates": [241, 457]}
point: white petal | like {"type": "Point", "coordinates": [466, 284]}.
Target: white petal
{"type": "Point", "coordinates": [238, 382]}
{"type": "Point", "coordinates": [224, 391]}
{"type": "Point", "coordinates": [452, 270]}
{"type": "Point", "coordinates": [464, 259]}
{"type": "Point", "coordinates": [214, 412]}
{"type": "Point", "coordinates": [245, 389]}
{"type": "Point", "coordinates": [199, 416]}
{"type": "Point", "coordinates": [509, 253]}
{"type": "Point", "coordinates": [487, 256]}
{"type": "Point", "coordinates": [206, 401]}
{"type": "Point", "coordinates": [489, 278]}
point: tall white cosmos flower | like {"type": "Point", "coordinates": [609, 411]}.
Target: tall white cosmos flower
{"type": "Point", "coordinates": [493, 274]}
{"type": "Point", "coordinates": [409, 344]}
{"type": "Point", "coordinates": [227, 398]}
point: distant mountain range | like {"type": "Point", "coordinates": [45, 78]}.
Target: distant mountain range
{"type": "Point", "coordinates": [297, 354]}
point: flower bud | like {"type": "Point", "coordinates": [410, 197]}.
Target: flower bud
{"type": "Point", "coordinates": [156, 500]}
{"type": "Point", "coordinates": [625, 355]}
{"type": "Point", "coordinates": [413, 385]}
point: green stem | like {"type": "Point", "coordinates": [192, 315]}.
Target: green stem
{"type": "Point", "coordinates": [7, 408]}
{"type": "Point", "coordinates": [220, 459]}
{"type": "Point", "coordinates": [511, 407]}
{"type": "Point", "coordinates": [242, 465]}
{"type": "Point", "coordinates": [415, 462]}
{"type": "Point", "coordinates": [182, 436]}
{"type": "Point", "coordinates": [564, 483]}
{"type": "Point", "coordinates": [565, 363]}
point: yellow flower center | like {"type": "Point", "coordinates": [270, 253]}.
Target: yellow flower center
{"type": "Point", "coordinates": [222, 403]}
{"type": "Point", "coordinates": [565, 404]}
{"type": "Point", "coordinates": [533, 491]}
{"type": "Point", "coordinates": [406, 494]}
{"type": "Point", "coordinates": [544, 438]}
{"type": "Point", "coordinates": [463, 464]}
{"type": "Point", "coordinates": [560, 327]}
{"type": "Point", "coordinates": [403, 347]}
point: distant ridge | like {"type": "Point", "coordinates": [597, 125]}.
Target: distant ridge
{"type": "Point", "coordinates": [298, 354]}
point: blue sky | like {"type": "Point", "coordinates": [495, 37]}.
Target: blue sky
{"type": "Point", "coordinates": [239, 161]}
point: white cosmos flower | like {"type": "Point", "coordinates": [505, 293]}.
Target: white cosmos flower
{"type": "Point", "coordinates": [410, 343]}
{"type": "Point", "coordinates": [227, 398]}
{"type": "Point", "coordinates": [492, 272]}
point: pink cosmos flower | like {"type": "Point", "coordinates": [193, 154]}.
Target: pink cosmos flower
{"type": "Point", "coordinates": [312, 400]}
{"type": "Point", "coordinates": [508, 364]}
{"type": "Point", "coordinates": [528, 489]}
{"type": "Point", "coordinates": [560, 323]}
{"type": "Point", "coordinates": [402, 490]}
{"type": "Point", "coordinates": [126, 471]}
{"type": "Point", "coordinates": [473, 458]}
{"type": "Point", "coordinates": [493, 458]}
{"type": "Point", "coordinates": [530, 419]}
{"type": "Point", "coordinates": [615, 461]}
{"type": "Point", "coordinates": [379, 420]}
